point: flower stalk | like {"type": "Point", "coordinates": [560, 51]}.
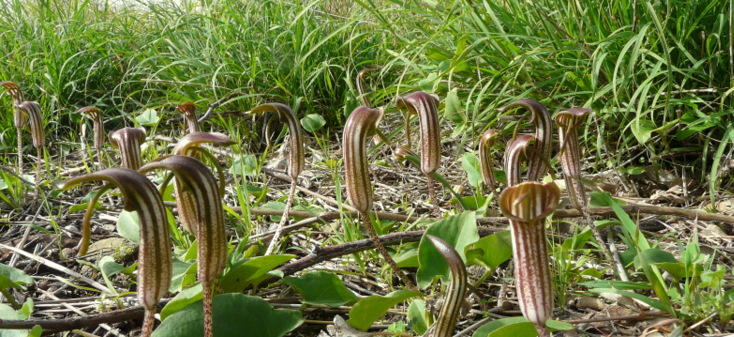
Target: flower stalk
{"type": "Point", "coordinates": [197, 181]}
{"type": "Point", "coordinates": [449, 314]}
{"type": "Point", "coordinates": [570, 154]}
{"type": "Point", "coordinates": [154, 256]}
{"type": "Point", "coordinates": [18, 118]}
{"type": "Point", "coordinates": [527, 205]}
{"type": "Point", "coordinates": [424, 105]}
{"type": "Point", "coordinates": [32, 110]}
{"type": "Point", "coordinates": [361, 125]}
{"type": "Point", "coordinates": [94, 114]}
{"type": "Point", "coordinates": [296, 158]}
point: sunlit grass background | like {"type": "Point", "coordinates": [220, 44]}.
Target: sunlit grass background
{"type": "Point", "coordinates": [658, 74]}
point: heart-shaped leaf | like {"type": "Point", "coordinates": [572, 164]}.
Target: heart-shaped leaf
{"type": "Point", "coordinates": [367, 310]}
{"type": "Point", "coordinates": [234, 315]}
{"type": "Point", "coordinates": [313, 122]}
{"type": "Point", "coordinates": [149, 117]}
{"type": "Point", "coordinates": [128, 226]}
{"type": "Point", "coordinates": [322, 288]}
{"type": "Point", "coordinates": [247, 273]}
{"type": "Point", "coordinates": [13, 278]}
{"type": "Point", "coordinates": [491, 251]}
{"type": "Point", "coordinates": [459, 231]}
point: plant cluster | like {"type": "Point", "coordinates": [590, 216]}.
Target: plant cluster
{"type": "Point", "coordinates": [627, 80]}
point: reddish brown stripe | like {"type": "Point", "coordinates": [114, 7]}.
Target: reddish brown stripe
{"type": "Point", "coordinates": [537, 167]}
{"type": "Point", "coordinates": [424, 106]}
{"type": "Point", "coordinates": [359, 126]}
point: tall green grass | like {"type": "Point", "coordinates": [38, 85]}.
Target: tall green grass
{"type": "Point", "coordinates": [657, 73]}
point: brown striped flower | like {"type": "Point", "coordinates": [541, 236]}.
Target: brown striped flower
{"type": "Point", "coordinates": [94, 114]}
{"type": "Point", "coordinates": [515, 154]}
{"type": "Point", "coordinates": [190, 145]}
{"type": "Point", "coordinates": [538, 158]}
{"type": "Point", "coordinates": [128, 142]}
{"type": "Point", "coordinates": [449, 314]}
{"type": "Point", "coordinates": [197, 182]}
{"type": "Point", "coordinates": [527, 205]}
{"type": "Point", "coordinates": [570, 152]}
{"type": "Point", "coordinates": [424, 105]}
{"type": "Point", "coordinates": [154, 256]}
{"type": "Point", "coordinates": [32, 110]}
{"type": "Point", "coordinates": [361, 125]}
{"type": "Point", "coordinates": [486, 163]}
{"type": "Point", "coordinates": [188, 111]}
{"type": "Point", "coordinates": [18, 119]}
{"type": "Point", "coordinates": [296, 160]}
{"type": "Point", "coordinates": [364, 96]}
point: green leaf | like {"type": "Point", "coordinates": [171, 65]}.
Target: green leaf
{"type": "Point", "coordinates": [491, 251]}
{"type": "Point", "coordinates": [632, 170]}
{"type": "Point", "coordinates": [418, 317]}
{"type": "Point", "coordinates": [322, 288]}
{"type": "Point", "coordinates": [182, 299]}
{"type": "Point", "coordinates": [183, 271]}
{"type": "Point", "coordinates": [6, 312]}
{"type": "Point", "coordinates": [128, 226]}
{"type": "Point", "coordinates": [367, 310]}
{"type": "Point", "coordinates": [247, 273]}
{"type": "Point", "coordinates": [642, 129]}
{"type": "Point", "coordinates": [666, 261]}
{"type": "Point", "coordinates": [649, 301]}
{"type": "Point", "coordinates": [234, 315]}
{"type": "Point", "coordinates": [554, 325]}
{"type": "Point", "coordinates": [13, 278]}
{"type": "Point", "coordinates": [244, 165]}
{"type": "Point", "coordinates": [109, 267]}
{"type": "Point", "coordinates": [26, 310]}
{"type": "Point", "coordinates": [149, 117]}
{"type": "Point", "coordinates": [313, 122]}
{"type": "Point", "coordinates": [459, 231]}
{"type": "Point", "coordinates": [470, 163]}
{"type": "Point", "coordinates": [453, 109]}
{"type": "Point", "coordinates": [511, 326]}
{"type": "Point", "coordinates": [37, 331]}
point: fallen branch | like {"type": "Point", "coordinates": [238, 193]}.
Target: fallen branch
{"type": "Point", "coordinates": [58, 325]}
{"type": "Point", "coordinates": [330, 252]}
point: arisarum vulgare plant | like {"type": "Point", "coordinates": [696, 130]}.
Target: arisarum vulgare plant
{"type": "Point", "coordinates": [424, 105]}
{"type": "Point", "coordinates": [128, 142]}
{"type": "Point", "coordinates": [190, 145]}
{"type": "Point", "coordinates": [449, 314]}
{"type": "Point", "coordinates": [361, 125]}
{"type": "Point", "coordinates": [94, 114]}
{"type": "Point", "coordinates": [154, 256]}
{"type": "Point", "coordinates": [32, 110]}
{"type": "Point", "coordinates": [364, 96]}
{"type": "Point", "coordinates": [18, 119]}
{"type": "Point", "coordinates": [515, 155]}
{"type": "Point", "coordinates": [296, 158]}
{"type": "Point", "coordinates": [527, 205]}
{"type": "Point", "coordinates": [188, 111]}
{"type": "Point", "coordinates": [486, 162]}
{"type": "Point", "coordinates": [539, 156]}
{"type": "Point", "coordinates": [196, 181]}
{"type": "Point", "coordinates": [570, 153]}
